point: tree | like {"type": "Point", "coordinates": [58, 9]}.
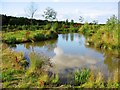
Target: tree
{"type": "Point", "coordinates": [66, 21]}
{"type": "Point", "coordinates": [72, 22]}
{"type": "Point", "coordinates": [95, 22]}
{"type": "Point", "coordinates": [31, 10]}
{"type": "Point", "coordinates": [81, 19]}
{"type": "Point", "coordinates": [49, 14]}
{"type": "Point", "coordinates": [111, 25]}
{"type": "Point", "coordinates": [112, 20]}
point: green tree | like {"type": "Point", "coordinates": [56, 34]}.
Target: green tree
{"type": "Point", "coordinates": [81, 19]}
{"type": "Point", "coordinates": [49, 14]}
{"type": "Point", "coordinates": [72, 22]}
{"type": "Point", "coordinates": [112, 21]}
{"type": "Point", "coordinates": [66, 22]}
{"type": "Point", "coordinates": [95, 22]}
{"type": "Point", "coordinates": [111, 25]}
{"type": "Point", "coordinates": [54, 26]}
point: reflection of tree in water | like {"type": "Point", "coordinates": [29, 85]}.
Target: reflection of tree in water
{"type": "Point", "coordinates": [27, 45]}
{"type": "Point", "coordinates": [79, 36]}
{"type": "Point", "coordinates": [49, 44]}
{"type": "Point", "coordinates": [110, 59]}
{"type": "Point", "coordinates": [13, 46]}
{"type": "Point", "coordinates": [72, 36]}
{"type": "Point", "coordinates": [63, 36]}
{"type": "Point", "coordinates": [111, 62]}
{"type": "Point", "coordinates": [66, 35]}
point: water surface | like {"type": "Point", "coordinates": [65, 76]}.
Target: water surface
{"type": "Point", "coordinates": [69, 53]}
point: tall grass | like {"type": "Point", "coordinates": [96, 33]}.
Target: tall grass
{"type": "Point", "coordinates": [27, 36]}
{"type": "Point", "coordinates": [104, 37]}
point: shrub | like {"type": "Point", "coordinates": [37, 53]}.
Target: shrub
{"type": "Point", "coordinates": [11, 40]}
{"type": "Point", "coordinates": [47, 26]}
{"type": "Point", "coordinates": [54, 27]}
{"type": "Point", "coordinates": [19, 27]}
{"type": "Point", "coordinates": [81, 76]}
{"type": "Point", "coordinates": [32, 27]}
{"type": "Point", "coordinates": [55, 79]}
{"type": "Point", "coordinates": [39, 37]}
{"type": "Point", "coordinates": [24, 27]}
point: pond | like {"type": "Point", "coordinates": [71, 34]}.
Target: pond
{"type": "Point", "coordinates": [69, 53]}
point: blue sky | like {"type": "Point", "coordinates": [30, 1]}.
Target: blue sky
{"type": "Point", "coordinates": [94, 10]}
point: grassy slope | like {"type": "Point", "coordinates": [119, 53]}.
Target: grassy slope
{"type": "Point", "coordinates": [28, 36]}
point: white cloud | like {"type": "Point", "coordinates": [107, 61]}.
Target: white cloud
{"type": "Point", "coordinates": [91, 14]}
{"type": "Point", "coordinates": [70, 11]}
{"type": "Point", "coordinates": [59, 0]}
{"type": "Point", "coordinates": [61, 61]}
{"type": "Point", "coordinates": [56, 0]}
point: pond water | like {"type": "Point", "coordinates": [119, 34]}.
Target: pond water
{"type": "Point", "coordinates": [69, 53]}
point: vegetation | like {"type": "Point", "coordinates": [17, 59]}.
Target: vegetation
{"type": "Point", "coordinates": [81, 76]}
{"type": "Point", "coordinates": [49, 14]}
{"type": "Point", "coordinates": [103, 37]}
{"type": "Point", "coordinates": [17, 72]}
{"type": "Point", "coordinates": [10, 23]}
{"type": "Point", "coordinates": [27, 36]}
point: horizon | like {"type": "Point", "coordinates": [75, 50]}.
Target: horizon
{"type": "Point", "coordinates": [90, 11]}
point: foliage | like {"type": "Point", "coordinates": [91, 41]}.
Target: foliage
{"type": "Point", "coordinates": [47, 26]}
{"type": "Point", "coordinates": [49, 14]}
{"type": "Point", "coordinates": [14, 73]}
{"type": "Point", "coordinates": [54, 79]}
{"type": "Point", "coordinates": [81, 19]}
{"type": "Point", "coordinates": [54, 27]}
{"type": "Point", "coordinates": [39, 37]}
{"type": "Point", "coordinates": [72, 22]}
{"type": "Point", "coordinates": [102, 36]}
{"type": "Point", "coordinates": [81, 76]}
{"type": "Point", "coordinates": [95, 22]}
{"type": "Point", "coordinates": [11, 40]}
{"type": "Point", "coordinates": [27, 36]}
{"type": "Point", "coordinates": [15, 76]}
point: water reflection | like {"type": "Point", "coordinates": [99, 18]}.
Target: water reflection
{"type": "Point", "coordinates": [69, 53]}
{"type": "Point", "coordinates": [64, 61]}
{"type": "Point", "coordinates": [45, 47]}
{"type": "Point", "coordinates": [111, 60]}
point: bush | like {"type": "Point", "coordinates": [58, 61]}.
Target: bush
{"type": "Point", "coordinates": [81, 76]}
{"type": "Point", "coordinates": [47, 26]}
{"type": "Point", "coordinates": [39, 37]}
{"type": "Point", "coordinates": [32, 27]}
{"type": "Point", "coordinates": [23, 27]}
{"type": "Point", "coordinates": [11, 40]}
{"type": "Point", "coordinates": [54, 27]}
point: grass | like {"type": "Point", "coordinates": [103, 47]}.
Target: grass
{"type": "Point", "coordinates": [104, 37]}
{"type": "Point", "coordinates": [27, 36]}
{"type": "Point", "coordinates": [81, 76]}
{"type": "Point", "coordinates": [14, 75]}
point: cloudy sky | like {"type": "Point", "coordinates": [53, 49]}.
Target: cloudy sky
{"type": "Point", "coordinates": [66, 9]}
